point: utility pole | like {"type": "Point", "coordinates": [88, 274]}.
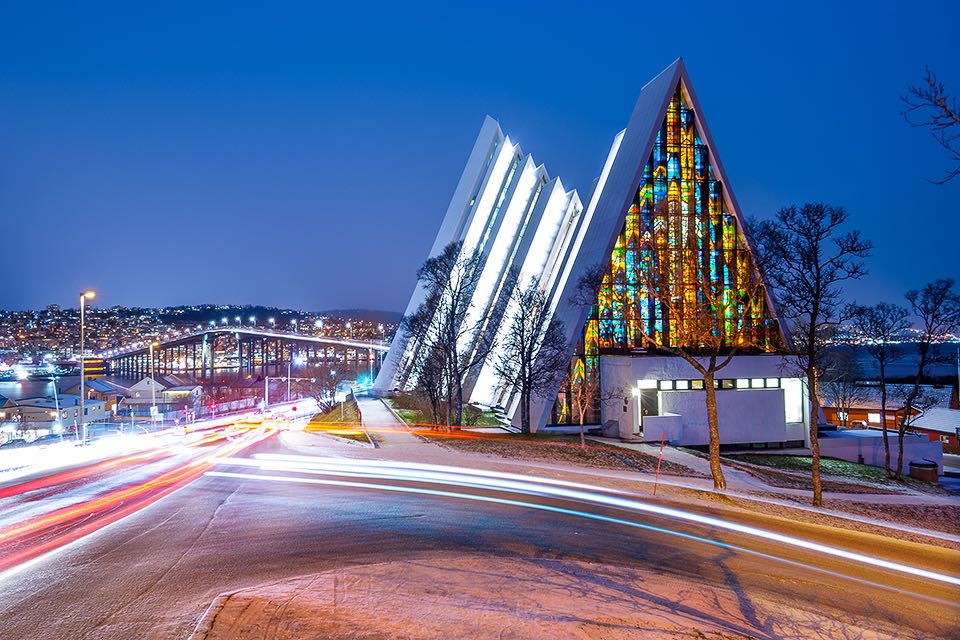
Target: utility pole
{"type": "Point", "coordinates": [153, 386]}
{"type": "Point", "coordinates": [84, 296]}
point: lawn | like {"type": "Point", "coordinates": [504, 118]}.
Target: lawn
{"type": "Point", "coordinates": [415, 411]}
{"type": "Point", "coordinates": [835, 472]}
{"type": "Point", "coordinates": [346, 426]}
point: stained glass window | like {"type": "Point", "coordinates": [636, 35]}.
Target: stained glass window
{"type": "Point", "coordinates": [678, 237]}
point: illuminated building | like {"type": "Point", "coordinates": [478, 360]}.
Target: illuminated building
{"type": "Point", "coordinates": [664, 228]}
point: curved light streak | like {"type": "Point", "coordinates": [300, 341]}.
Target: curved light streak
{"type": "Point", "coordinates": [527, 484]}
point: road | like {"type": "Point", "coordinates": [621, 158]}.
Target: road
{"type": "Point", "coordinates": [152, 573]}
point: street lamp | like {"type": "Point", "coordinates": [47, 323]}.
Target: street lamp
{"type": "Point", "coordinates": [293, 322]}
{"type": "Point", "coordinates": [253, 320]}
{"type": "Point", "coordinates": [237, 320]}
{"type": "Point", "coordinates": [318, 324]}
{"type": "Point", "coordinates": [350, 329]}
{"type": "Point", "coordinates": [153, 384]}
{"type": "Point", "coordinates": [300, 361]}
{"type": "Point", "coordinates": [271, 321]}
{"type": "Point", "coordinates": [223, 320]}
{"type": "Point", "coordinates": [89, 294]}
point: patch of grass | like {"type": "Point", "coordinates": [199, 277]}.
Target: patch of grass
{"type": "Point", "coordinates": [837, 472]}
{"type": "Point", "coordinates": [562, 449]}
{"type": "Point", "coordinates": [347, 426]}
{"type": "Point", "coordinates": [415, 410]}
{"type": "Point", "coordinates": [411, 409]}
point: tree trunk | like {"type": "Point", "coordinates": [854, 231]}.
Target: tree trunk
{"type": "Point", "coordinates": [459, 403]}
{"type": "Point", "coordinates": [900, 432]}
{"type": "Point", "coordinates": [524, 411]}
{"type": "Point", "coordinates": [883, 420]}
{"type": "Point", "coordinates": [713, 425]}
{"type": "Point", "coordinates": [814, 436]}
{"type": "Point", "coordinates": [583, 442]}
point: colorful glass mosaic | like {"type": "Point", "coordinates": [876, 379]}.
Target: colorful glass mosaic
{"type": "Point", "coordinates": [680, 251]}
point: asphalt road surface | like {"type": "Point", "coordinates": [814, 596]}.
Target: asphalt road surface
{"type": "Point", "coordinates": [152, 573]}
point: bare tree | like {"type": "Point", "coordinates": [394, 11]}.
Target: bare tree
{"type": "Point", "coordinates": [533, 347]}
{"type": "Point", "coordinates": [321, 386]}
{"type": "Point", "coordinates": [930, 106]}
{"type": "Point", "coordinates": [583, 386]}
{"type": "Point", "coordinates": [432, 380]}
{"type": "Point", "coordinates": [430, 369]}
{"type": "Point", "coordinates": [807, 257]}
{"type": "Point", "coordinates": [937, 307]}
{"type": "Point", "coordinates": [840, 383]}
{"type": "Point", "coordinates": [882, 326]}
{"type": "Point", "coordinates": [442, 325]}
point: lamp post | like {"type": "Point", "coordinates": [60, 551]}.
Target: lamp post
{"type": "Point", "coordinates": [153, 384]}
{"type": "Point", "coordinates": [300, 360]}
{"type": "Point", "coordinates": [350, 329]}
{"type": "Point", "coordinates": [89, 294]}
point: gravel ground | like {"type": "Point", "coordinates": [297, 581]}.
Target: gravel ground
{"type": "Point", "coordinates": [944, 518]}
{"type": "Point", "coordinates": [557, 449]}
{"type": "Point", "coordinates": [797, 480]}
{"type": "Point", "coordinates": [794, 472]}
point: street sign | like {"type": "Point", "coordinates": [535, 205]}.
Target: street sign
{"type": "Point", "coordinates": [154, 411]}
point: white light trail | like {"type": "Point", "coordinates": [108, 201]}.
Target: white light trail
{"type": "Point", "coordinates": [414, 472]}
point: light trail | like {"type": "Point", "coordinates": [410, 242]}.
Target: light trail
{"type": "Point", "coordinates": [24, 541]}
{"type": "Point", "coordinates": [570, 512]}
{"type": "Point", "coordinates": [535, 486]}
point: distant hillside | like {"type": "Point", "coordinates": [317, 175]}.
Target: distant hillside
{"type": "Point", "coordinates": [207, 312]}
{"type": "Point", "coordinates": [372, 315]}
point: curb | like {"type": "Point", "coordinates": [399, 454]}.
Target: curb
{"type": "Point", "coordinates": [205, 624]}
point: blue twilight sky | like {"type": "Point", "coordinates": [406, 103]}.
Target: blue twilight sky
{"type": "Point", "coordinates": [302, 155]}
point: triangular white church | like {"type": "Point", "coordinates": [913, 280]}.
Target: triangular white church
{"type": "Point", "coordinates": [661, 201]}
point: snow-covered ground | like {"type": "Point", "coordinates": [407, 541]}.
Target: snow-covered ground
{"type": "Point", "coordinates": [476, 596]}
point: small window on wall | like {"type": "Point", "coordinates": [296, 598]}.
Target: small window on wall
{"type": "Point", "coordinates": [726, 384]}
{"type": "Point", "coordinates": [683, 385]}
{"type": "Point", "coordinates": [773, 383]}
{"type": "Point", "coordinates": [743, 383]}
{"type": "Point", "coordinates": [697, 385]}
{"type": "Point", "coordinates": [666, 385]}
{"type": "Point", "coordinates": [873, 418]}
{"type": "Point", "coordinates": [756, 383]}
